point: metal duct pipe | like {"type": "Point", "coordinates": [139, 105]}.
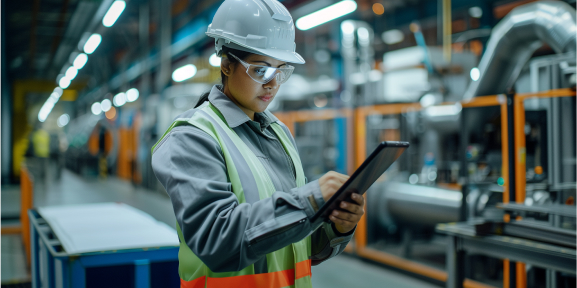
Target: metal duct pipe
{"type": "Point", "coordinates": [516, 37]}
{"type": "Point", "coordinates": [420, 205]}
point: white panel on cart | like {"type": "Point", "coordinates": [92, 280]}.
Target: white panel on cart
{"type": "Point", "coordinates": [106, 226]}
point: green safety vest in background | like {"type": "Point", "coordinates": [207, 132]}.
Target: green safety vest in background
{"type": "Point", "coordinates": [287, 267]}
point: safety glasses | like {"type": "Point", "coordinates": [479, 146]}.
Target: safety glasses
{"type": "Point", "coordinates": [265, 74]}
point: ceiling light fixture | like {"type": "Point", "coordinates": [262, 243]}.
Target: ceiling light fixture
{"type": "Point", "coordinates": [214, 60]}
{"type": "Point", "coordinates": [326, 14]}
{"type": "Point", "coordinates": [393, 36]}
{"type": "Point", "coordinates": [80, 61]}
{"type": "Point", "coordinates": [64, 82]}
{"type": "Point", "coordinates": [92, 43]}
{"type": "Point", "coordinates": [105, 105]}
{"type": "Point", "coordinates": [475, 74]}
{"type": "Point", "coordinates": [119, 99]}
{"type": "Point", "coordinates": [113, 13]}
{"type": "Point", "coordinates": [45, 111]}
{"type": "Point", "coordinates": [132, 95]}
{"type": "Point", "coordinates": [63, 120]}
{"type": "Point", "coordinates": [71, 73]}
{"type": "Point", "coordinates": [96, 109]}
{"type": "Point", "coordinates": [183, 73]}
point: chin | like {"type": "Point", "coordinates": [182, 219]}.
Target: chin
{"type": "Point", "coordinates": [260, 108]}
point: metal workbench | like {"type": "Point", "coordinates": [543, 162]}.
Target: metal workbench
{"type": "Point", "coordinates": [463, 239]}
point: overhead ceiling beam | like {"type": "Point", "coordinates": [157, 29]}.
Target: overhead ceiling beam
{"type": "Point", "coordinates": [35, 9]}
{"type": "Point", "coordinates": [77, 24]}
{"type": "Point", "coordinates": [58, 37]}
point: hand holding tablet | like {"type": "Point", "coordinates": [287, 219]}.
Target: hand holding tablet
{"type": "Point", "coordinates": [373, 167]}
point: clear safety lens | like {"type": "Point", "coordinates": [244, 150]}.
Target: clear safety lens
{"type": "Point", "coordinates": [265, 74]}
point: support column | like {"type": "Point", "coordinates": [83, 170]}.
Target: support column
{"type": "Point", "coordinates": [78, 274]}
{"type": "Point", "coordinates": [455, 263]}
{"type": "Point", "coordinates": [142, 273]}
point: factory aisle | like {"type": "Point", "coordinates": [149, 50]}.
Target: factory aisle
{"type": "Point", "coordinates": [348, 271]}
{"type": "Point", "coordinates": [342, 271]}
{"type": "Point", "coordinates": [73, 189]}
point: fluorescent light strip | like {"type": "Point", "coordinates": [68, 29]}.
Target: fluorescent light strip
{"type": "Point", "coordinates": [184, 72]}
{"type": "Point", "coordinates": [64, 82]}
{"type": "Point", "coordinates": [92, 43]}
{"type": "Point", "coordinates": [96, 109]}
{"type": "Point", "coordinates": [71, 73]}
{"type": "Point", "coordinates": [475, 74]}
{"type": "Point", "coordinates": [49, 104]}
{"type": "Point", "coordinates": [119, 99]}
{"type": "Point", "coordinates": [214, 60]}
{"type": "Point", "coordinates": [132, 95]}
{"type": "Point", "coordinates": [45, 111]}
{"type": "Point", "coordinates": [105, 105]}
{"type": "Point", "coordinates": [326, 14]}
{"type": "Point", "coordinates": [80, 61]}
{"type": "Point", "coordinates": [113, 13]}
{"type": "Point", "coordinates": [63, 120]}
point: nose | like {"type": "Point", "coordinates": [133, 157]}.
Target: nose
{"type": "Point", "coordinates": [273, 84]}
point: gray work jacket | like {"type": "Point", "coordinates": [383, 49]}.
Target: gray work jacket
{"type": "Point", "coordinates": [191, 167]}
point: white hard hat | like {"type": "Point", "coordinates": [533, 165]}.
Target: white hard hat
{"type": "Point", "coordinates": [259, 26]}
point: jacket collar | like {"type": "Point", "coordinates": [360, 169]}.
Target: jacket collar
{"type": "Point", "coordinates": [233, 115]}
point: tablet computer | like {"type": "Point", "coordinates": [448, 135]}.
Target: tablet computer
{"type": "Point", "coordinates": [374, 166]}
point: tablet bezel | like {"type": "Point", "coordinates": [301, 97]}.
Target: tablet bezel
{"type": "Point", "coordinates": [338, 196]}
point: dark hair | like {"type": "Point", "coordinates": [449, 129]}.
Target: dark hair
{"type": "Point", "coordinates": [225, 50]}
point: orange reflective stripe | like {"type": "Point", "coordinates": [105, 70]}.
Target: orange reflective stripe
{"type": "Point", "coordinates": [196, 283]}
{"type": "Point", "coordinates": [303, 269]}
{"type": "Point", "coordinates": [270, 280]}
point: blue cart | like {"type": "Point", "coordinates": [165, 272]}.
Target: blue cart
{"type": "Point", "coordinates": [140, 268]}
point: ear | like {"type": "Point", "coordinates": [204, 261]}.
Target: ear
{"type": "Point", "coordinates": [226, 66]}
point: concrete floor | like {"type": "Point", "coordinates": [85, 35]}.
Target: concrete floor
{"type": "Point", "coordinates": [341, 271]}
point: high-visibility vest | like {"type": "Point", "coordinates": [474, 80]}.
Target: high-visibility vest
{"type": "Point", "coordinates": [287, 267]}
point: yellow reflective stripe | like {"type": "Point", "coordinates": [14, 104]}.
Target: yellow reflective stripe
{"type": "Point", "coordinates": [206, 126]}
{"type": "Point", "coordinates": [265, 186]}
{"type": "Point", "coordinates": [292, 152]}
{"type": "Point", "coordinates": [176, 122]}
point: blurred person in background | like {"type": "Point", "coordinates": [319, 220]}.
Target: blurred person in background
{"type": "Point", "coordinates": [40, 140]}
{"type": "Point", "coordinates": [233, 173]}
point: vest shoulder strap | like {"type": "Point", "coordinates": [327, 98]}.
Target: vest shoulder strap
{"type": "Point", "coordinates": [176, 123]}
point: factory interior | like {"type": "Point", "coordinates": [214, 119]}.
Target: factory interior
{"type": "Point", "coordinates": [483, 90]}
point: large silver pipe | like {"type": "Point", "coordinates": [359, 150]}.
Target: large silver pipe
{"type": "Point", "coordinates": [416, 205]}
{"type": "Point", "coordinates": [516, 38]}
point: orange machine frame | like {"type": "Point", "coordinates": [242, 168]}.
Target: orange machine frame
{"type": "Point", "coordinates": [520, 164]}
{"type": "Point", "coordinates": [292, 117]}
{"type": "Point", "coordinates": [358, 141]}
{"type": "Point", "coordinates": [26, 203]}
{"type": "Point", "coordinates": [360, 154]}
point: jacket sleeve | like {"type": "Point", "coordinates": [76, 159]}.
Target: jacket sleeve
{"type": "Point", "coordinates": [226, 235]}
{"type": "Point", "coordinates": [326, 242]}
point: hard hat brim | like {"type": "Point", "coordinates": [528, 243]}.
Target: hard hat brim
{"type": "Point", "coordinates": [282, 55]}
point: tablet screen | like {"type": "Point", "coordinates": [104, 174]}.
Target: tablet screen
{"type": "Point", "coordinates": [373, 167]}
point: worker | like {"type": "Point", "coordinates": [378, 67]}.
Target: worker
{"type": "Point", "coordinates": [232, 171]}
{"type": "Point", "coordinates": [41, 144]}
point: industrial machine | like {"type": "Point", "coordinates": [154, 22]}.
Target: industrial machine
{"type": "Point", "coordinates": [472, 148]}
